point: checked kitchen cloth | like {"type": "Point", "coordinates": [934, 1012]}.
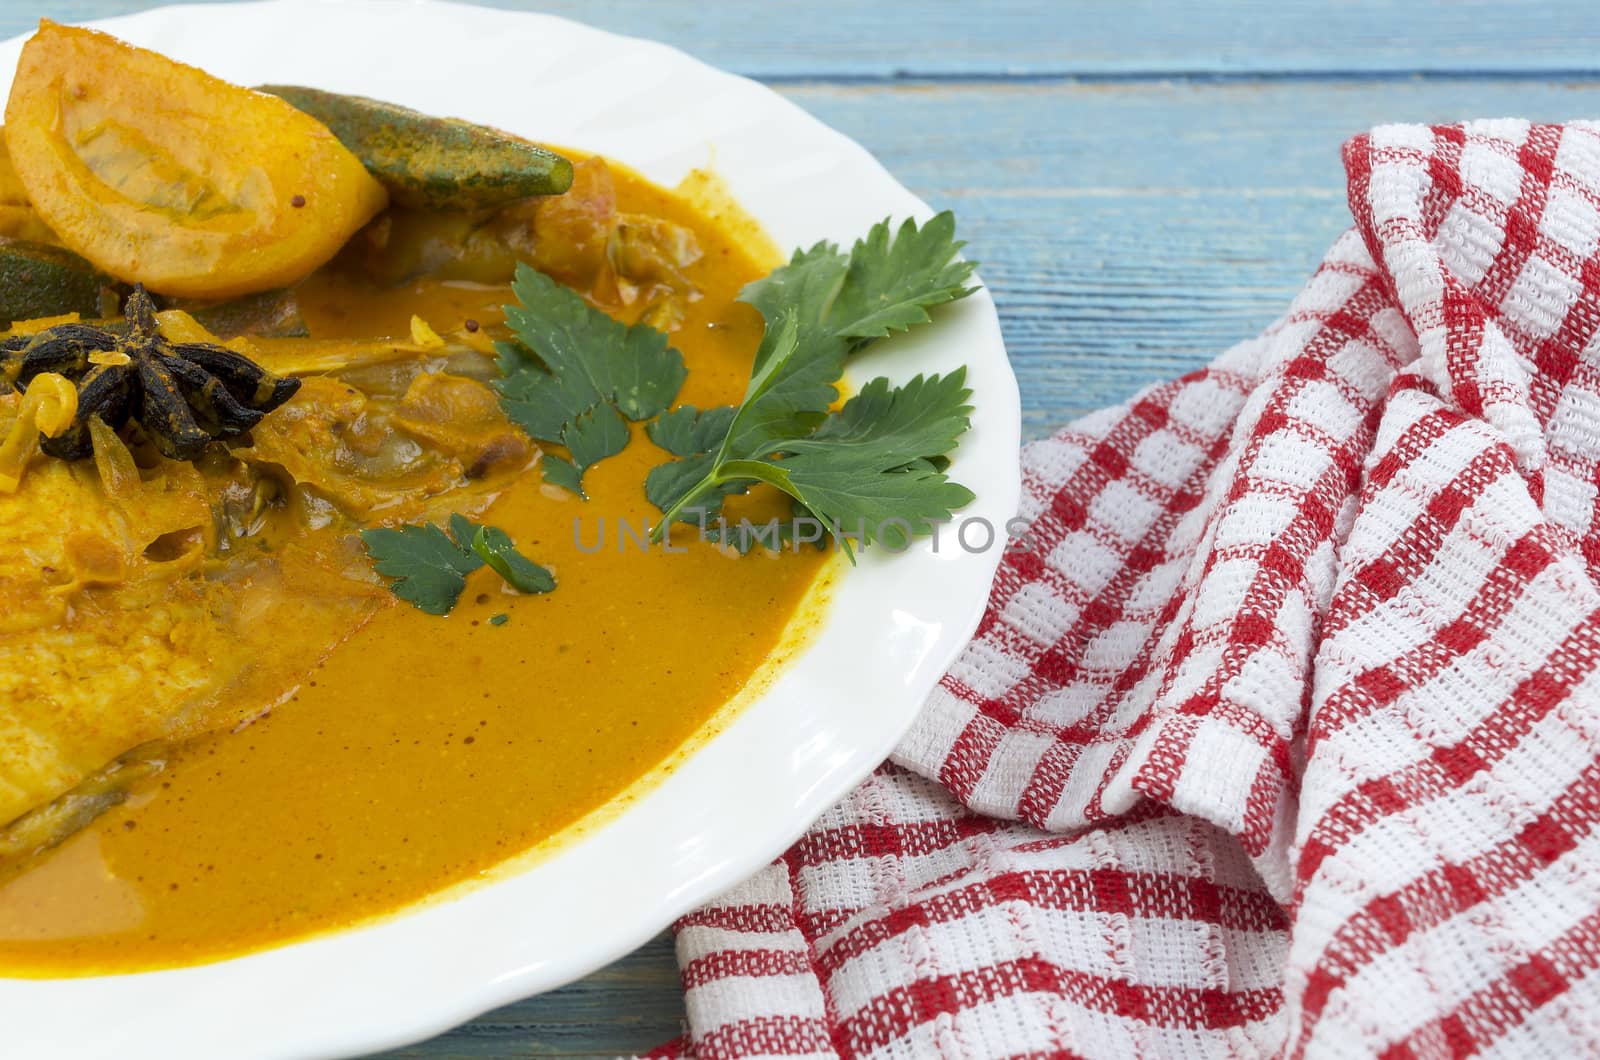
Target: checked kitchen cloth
{"type": "Point", "coordinates": [1281, 737]}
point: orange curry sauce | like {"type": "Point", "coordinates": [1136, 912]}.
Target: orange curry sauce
{"type": "Point", "coordinates": [425, 751]}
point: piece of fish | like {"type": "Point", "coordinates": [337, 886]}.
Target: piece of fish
{"type": "Point", "coordinates": [136, 607]}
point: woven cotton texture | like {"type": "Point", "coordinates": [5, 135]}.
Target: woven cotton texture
{"type": "Point", "coordinates": [1279, 734]}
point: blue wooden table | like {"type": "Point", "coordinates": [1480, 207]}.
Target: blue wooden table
{"type": "Point", "coordinates": [1144, 181]}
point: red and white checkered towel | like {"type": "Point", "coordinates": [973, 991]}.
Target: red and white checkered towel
{"type": "Point", "coordinates": [1282, 736]}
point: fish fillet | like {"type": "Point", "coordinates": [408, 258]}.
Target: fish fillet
{"type": "Point", "coordinates": [129, 617]}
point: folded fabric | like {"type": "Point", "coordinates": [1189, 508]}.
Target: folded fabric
{"type": "Point", "coordinates": [1280, 732]}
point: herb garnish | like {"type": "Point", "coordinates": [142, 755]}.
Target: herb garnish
{"type": "Point", "coordinates": [430, 567]}
{"type": "Point", "coordinates": [495, 548]}
{"type": "Point", "coordinates": [869, 470]}
{"type": "Point", "coordinates": [575, 376]}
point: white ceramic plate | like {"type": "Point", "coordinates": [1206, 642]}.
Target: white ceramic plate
{"type": "Point", "coordinates": [895, 624]}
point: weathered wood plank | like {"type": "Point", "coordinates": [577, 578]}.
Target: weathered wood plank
{"type": "Point", "coordinates": [1130, 232]}
{"type": "Point", "coordinates": [1054, 38]}
{"type": "Point", "coordinates": [629, 1007]}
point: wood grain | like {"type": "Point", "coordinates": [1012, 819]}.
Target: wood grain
{"type": "Point", "coordinates": [1132, 231]}
{"type": "Point", "coordinates": [631, 1006]}
{"type": "Point", "coordinates": [850, 40]}
{"type": "Point", "coordinates": [1145, 183]}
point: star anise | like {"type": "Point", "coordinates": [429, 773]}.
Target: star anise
{"type": "Point", "coordinates": [183, 395]}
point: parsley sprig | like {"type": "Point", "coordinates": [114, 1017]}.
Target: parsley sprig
{"type": "Point", "coordinates": [871, 469]}
{"type": "Point", "coordinates": [429, 568]}
{"type": "Point", "coordinates": [575, 376]}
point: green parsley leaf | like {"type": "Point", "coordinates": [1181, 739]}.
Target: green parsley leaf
{"type": "Point", "coordinates": [892, 283]}
{"type": "Point", "coordinates": [499, 620]}
{"type": "Point", "coordinates": [575, 376]}
{"type": "Point", "coordinates": [462, 529]}
{"type": "Point", "coordinates": [429, 570]}
{"type": "Point", "coordinates": [847, 467]}
{"type": "Point", "coordinates": [792, 380]}
{"type": "Point", "coordinates": [563, 473]}
{"type": "Point", "coordinates": [855, 472]}
{"type": "Point", "coordinates": [839, 304]}
{"type": "Point", "coordinates": [687, 430]}
{"type": "Point", "coordinates": [788, 393]}
{"type": "Point", "coordinates": [692, 434]}
{"type": "Point", "coordinates": [668, 483]}
{"type": "Point", "coordinates": [925, 415]}
{"type": "Point", "coordinates": [494, 547]}
{"type": "Point", "coordinates": [430, 567]}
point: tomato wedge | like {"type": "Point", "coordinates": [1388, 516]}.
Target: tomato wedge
{"type": "Point", "coordinates": [161, 174]}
